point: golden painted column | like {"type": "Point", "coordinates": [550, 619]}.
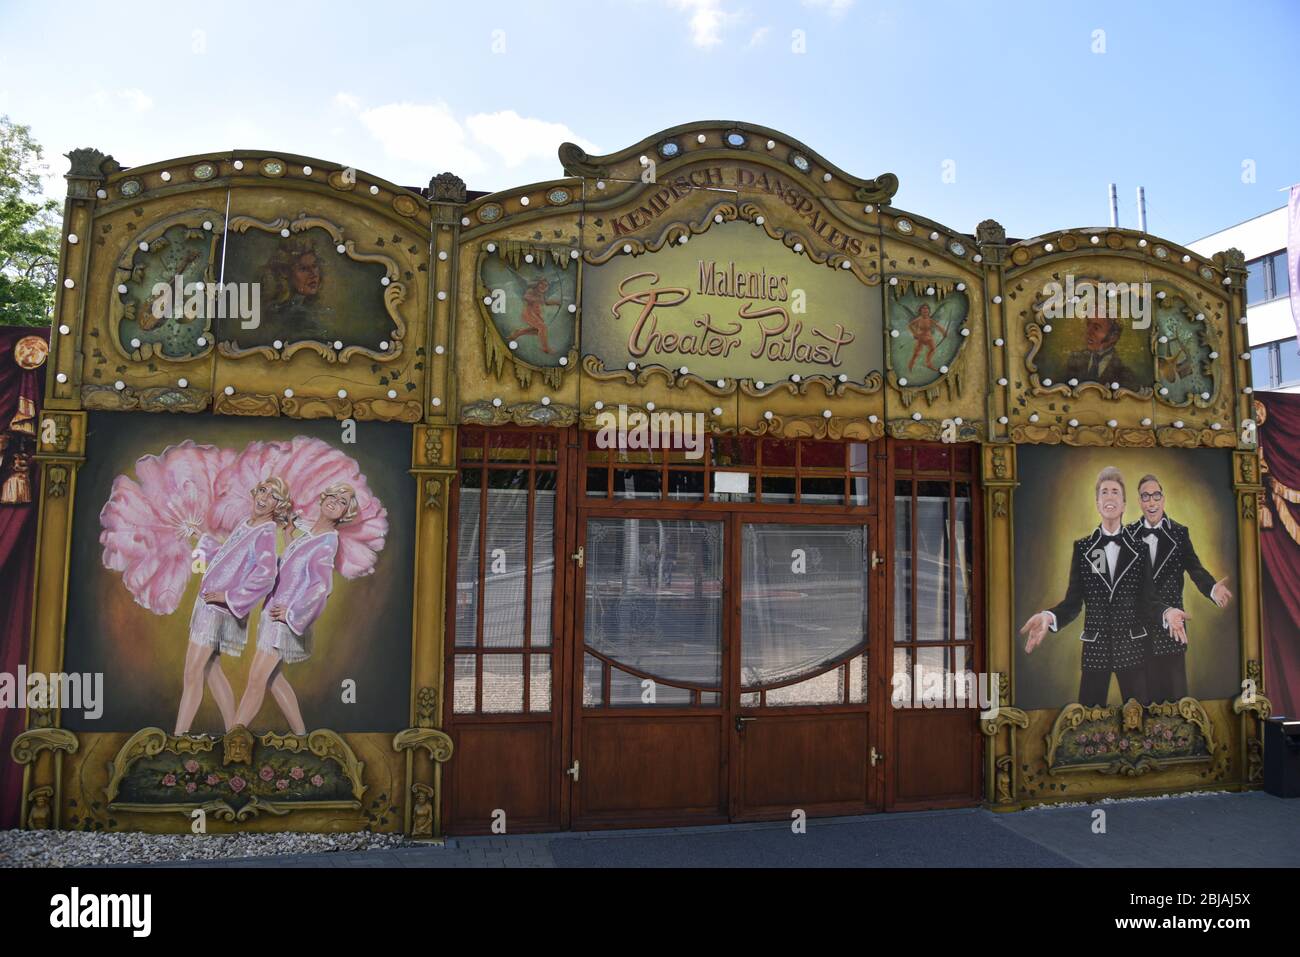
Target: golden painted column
{"type": "Point", "coordinates": [433, 460]}
{"type": "Point", "coordinates": [60, 449]}
{"type": "Point", "coordinates": [999, 482]}
{"type": "Point", "coordinates": [1251, 704]}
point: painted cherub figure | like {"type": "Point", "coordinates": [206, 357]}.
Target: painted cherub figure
{"type": "Point", "coordinates": [923, 326]}
{"type": "Point", "coordinates": [534, 296]}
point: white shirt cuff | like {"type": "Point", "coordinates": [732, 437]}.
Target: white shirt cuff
{"type": "Point", "coordinates": [1051, 623]}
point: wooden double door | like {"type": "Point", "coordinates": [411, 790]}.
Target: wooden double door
{"type": "Point", "coordinates": [617, 658]}
{"type": "Point", "coordinates": [726, 671]}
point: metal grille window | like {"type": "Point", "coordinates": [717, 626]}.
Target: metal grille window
{"type": "Point", "coordinates": [505, 572]}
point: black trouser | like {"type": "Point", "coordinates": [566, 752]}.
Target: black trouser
{"type": "Point", "coordinates": [1167, 677]}
{"type": "Point", "coordinates": [1094, 686]}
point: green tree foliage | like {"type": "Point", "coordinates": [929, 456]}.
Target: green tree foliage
{"type": "Point", "coordinates": [30, 231]}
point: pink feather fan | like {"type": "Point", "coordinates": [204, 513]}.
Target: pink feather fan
{"type": "Point", "coordinates": [308, 466]}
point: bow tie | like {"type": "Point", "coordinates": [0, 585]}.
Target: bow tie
{"type": "Point", "coordinates": [1107, 539]}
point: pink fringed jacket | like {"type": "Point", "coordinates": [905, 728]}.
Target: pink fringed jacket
{"type": "Point", "coordinates": [306, 579]}
{"type": "Point", "coordinates": [243, 566]}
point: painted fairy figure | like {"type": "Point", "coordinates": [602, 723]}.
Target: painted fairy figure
{"type": "Point", "coordinates": [923, 327]}
{"type": "Point", "coordinates": [302, 587]}
{"type": "Point", "coordinates": [534, 296]}
{"type": "Point", "coordinates": [237, 574]}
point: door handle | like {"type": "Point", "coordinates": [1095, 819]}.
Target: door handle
{"type": "Point", "coordinates": [876, 756]}
{"type": "Point", "coordinates": [573, 771]}
{"type": "Point", "coordinates": [740, 722]}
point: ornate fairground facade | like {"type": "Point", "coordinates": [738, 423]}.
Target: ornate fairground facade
{"type": "Point", "coordinates": [695, 486]}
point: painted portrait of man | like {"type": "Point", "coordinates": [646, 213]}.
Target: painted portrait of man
{"type": "Point", "coordinates": [1099, 360]}
{"type": "Point", "coordinates": [1173, 557]}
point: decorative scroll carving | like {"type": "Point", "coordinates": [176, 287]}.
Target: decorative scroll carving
{"type": "Point", "coordinates": [30, 743]}
{"type": "Point", "coordinates": [1000, 504]}
{"type": "Point", "coordinates": [817, 427]}
{"type": "Point", "coordinates": [246, 403]}
{"type": "Point", "coordinates": [153, 399]}
{"type": "Point", "coordinates": [929, 430]}
{"type": "Point", "coordinates": [386, 410]}
{"type": "Point", "coordinates": [576, 162]}
{"type": "Point", "coordinates": [435, 742]}
{"type": "Point", "coordinates": [316, 407]}
{"type": "Point", "coordinates": [879, 190]}
{"type": "Point", "coordinates": [522, 413]}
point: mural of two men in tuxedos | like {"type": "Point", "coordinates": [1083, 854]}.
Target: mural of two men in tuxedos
{"type": "Point", "coordinates": [1112, 583]}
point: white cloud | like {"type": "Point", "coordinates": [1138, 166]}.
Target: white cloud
{"type": "Point", "coordinates": [137, 99]}
{"type": "Point", "coordinates": [424, 133]}
{"type": "Point", "coordinates": [485, 148]}
{"type": "Point", "coordinates": [518, 139]}
{"type": "Point", "coordinates": [133, 98]}
{"type": "Point", "coordinates": [707, 20]}
{"type": "Point", "coordinates": [834, 7]}
{"type": "Point", "coordinates": [758, 36]}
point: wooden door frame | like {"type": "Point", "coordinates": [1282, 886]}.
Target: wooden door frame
{"type": "Point", "coordinates": [452, 722]}
{"type": "Point", "coordinates": [972, 477]}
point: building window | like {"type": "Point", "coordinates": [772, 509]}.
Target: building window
{"type": "Point", "coordinates": [1275, 365]}
{"type": "Point", "coordinates": [934, 594]}
{"type": "Point", "coordinates": [1261, 366]}
{"type": "Point", "coordinates": [1288, 362]}
{"type": "Point", "coordinates": [1266, 278]}
{"type": "Point", "coordinates": [505, 571]}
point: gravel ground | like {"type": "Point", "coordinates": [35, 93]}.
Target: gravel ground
{"type": "Point", "coordinates": [91, 849]}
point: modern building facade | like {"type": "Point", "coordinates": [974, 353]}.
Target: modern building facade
{"type": "Point", "coordinates": [1274, 350]}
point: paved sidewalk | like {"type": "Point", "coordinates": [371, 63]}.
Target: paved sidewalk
{"type": "Point", "coordinates": [1211, 830]}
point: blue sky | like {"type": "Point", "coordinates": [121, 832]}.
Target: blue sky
{"type": "Point", "coordinates": [1012, 93]}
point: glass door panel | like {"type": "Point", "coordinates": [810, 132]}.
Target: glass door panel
{"type": "Point", "coordinates": [803, 614]}
{"type": "Point", "coordinates": [652, 625]}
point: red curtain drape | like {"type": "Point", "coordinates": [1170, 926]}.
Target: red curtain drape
{"type": "Point", "coordinates": [1279, 440]}
{"type": "Point", "coordinates": [20, 399]}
